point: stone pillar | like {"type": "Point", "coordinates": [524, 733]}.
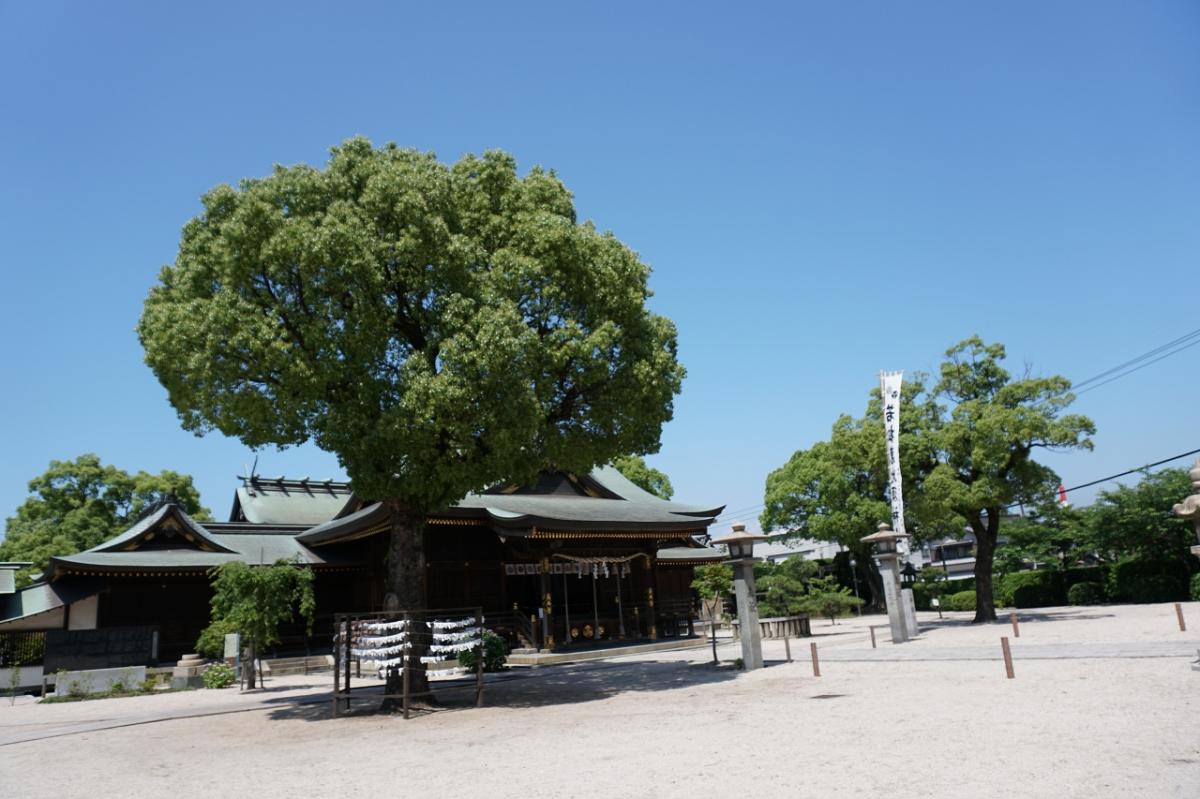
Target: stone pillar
{"type": "Point", "coordinates": [885, 543]}
{"type": "Point", "coordinates": [741, 548]}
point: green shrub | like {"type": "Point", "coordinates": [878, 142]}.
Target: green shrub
{"type": "Point", "coordinates": [1085, 593]}
{"type": "Point", "coordinates": [495, 653]}
{"type": "Point", "coordinates": [1196, 587]}
{"type": "Point", "coordinates": [1037, 589]}
{"type": "Point", "coordinates": [1085, 574]}
{"type": "Point", "coordinates": [963, 600]}
{"type": "Point", "coordinates": [1036, 596]}
{"type": "Point", "coordinates": [219, 675]}
{"type": "Point", "coordinates": [211, 643]}
{"type": "Point", "coordinates": [1144, 580]}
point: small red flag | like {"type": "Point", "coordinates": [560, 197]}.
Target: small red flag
{"type": "Point", "coordinates": [1062, 495]}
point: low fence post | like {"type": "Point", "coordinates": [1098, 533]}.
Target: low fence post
{"type": "Point", "coordinates": [1179, 616]}
{"type": "Point", "coordinates": [816, 663]}
{"type": "Point", "coordinates": [1008, 662]}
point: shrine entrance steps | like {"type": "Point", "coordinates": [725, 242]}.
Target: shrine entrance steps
{"type": "Point", "coordinates": [526, 657]}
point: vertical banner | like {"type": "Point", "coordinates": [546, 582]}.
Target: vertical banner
{"type": "Point", "coordinates": [889, 383]}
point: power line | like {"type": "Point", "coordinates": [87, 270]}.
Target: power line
{"type": "Point", "coordinates": [1186, 340]}
{"type": "Point", "coordinates": [1127, 472]}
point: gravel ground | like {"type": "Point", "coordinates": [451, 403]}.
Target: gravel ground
{"type": "Point", "coordinates": [1079, 723]}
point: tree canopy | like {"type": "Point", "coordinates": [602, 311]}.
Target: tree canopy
{"type": "Point", "coordinates": [966, 451]}
{"type": "Point", "coordinates": [1137, 520]}
{"type": "Point", "coordinates": [78, 504]}
{"type": "Point", "coordinates": [645, 477]}
{"type": "Point", "coordinates": [439, 328]}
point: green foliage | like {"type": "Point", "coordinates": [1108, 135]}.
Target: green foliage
{"type": "Point", "coordinates": [219, 675]}
{"type": "Point", "coordinates": [440, 328]}
{"type": "Point", "coordinates": [1195, 588]}
{"type": "Point", "coordinates": [783, 586]}
{"type": "Point", "coordinates": [1136, 521]}
{"type": "Point", "coordinates": [256, 600]}
{"type": "Point", "coordinates": [960, 600]}
{"type": "Point", "coordinates": [645, 477]}
{"type": "Point", "coordinates": [713, 581]}
{"type": "Point", "coordinates": [76, 505]}
{"type": "Point", "coordinates": [1046, 583]}
{"type": "Point", "coordinates": [495, 653]}
{"type": "Point", "coordinates": [1086, 594]}
{"type": "Point", "coordinates": [211, 643]}
{"type": "Point", "coordinates": [1146, 580]}
{"type": "Point", "coordinates": [826, 598]}
{"type": "Point", "coordinates": [966, 449]}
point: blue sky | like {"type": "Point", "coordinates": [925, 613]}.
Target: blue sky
{"type": "Point", "coordinates": [823, 189]}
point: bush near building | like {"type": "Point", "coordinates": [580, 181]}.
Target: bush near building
{"type": "Point", "coordinates": [1086, 594]}
{"type": "Point", "coordinates": [963, 600]}
{"type": "Point", "coordinates": [1196, 587]}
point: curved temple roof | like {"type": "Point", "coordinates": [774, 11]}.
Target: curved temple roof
{"type": "Point", "coordinates": [604, 500]}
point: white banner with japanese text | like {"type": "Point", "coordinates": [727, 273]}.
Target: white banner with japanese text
{"type": "Point", "coordinates": [889, 383]}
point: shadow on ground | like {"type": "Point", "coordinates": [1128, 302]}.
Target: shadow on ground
{"type": "Point", "coordinates": [525, 688]}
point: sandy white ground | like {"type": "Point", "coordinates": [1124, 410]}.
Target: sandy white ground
{"type": "Point", "coordinates": [668, 725]}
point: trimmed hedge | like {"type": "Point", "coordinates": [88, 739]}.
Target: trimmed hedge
{"type": "Point", "coordinates": [1044, 587]}
{"type": "Point", "coordinates": [963, 600]}
{"type": "Point", "coordinates": [1143, 580]}
{"type": "Point", "coordinates": [1086, 593]}
{"type": "Point", "coordinates": [1196, 587]}
{"type": "Point", "coordinates": [923, 596]}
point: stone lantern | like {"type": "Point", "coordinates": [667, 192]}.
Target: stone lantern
{"type": "Point", "coordinates": [886, 543]}
{"type": "Point", "coordinates": [741, 558]}
{"type": "Point", "coordinates": [1190, 507]}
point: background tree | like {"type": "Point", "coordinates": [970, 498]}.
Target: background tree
{"type": "Point", "coordinates": [713, 583]}
{"type": "Point", "coordinates": [837, 489]}
{"type": "Point", "coordinates": [1047, 533]}
{"type": "Point", "coordinates": [783, 586]}
{"type": "Point", "coordinates": [986, 440]}
{"type": "Point", "coordinates": [645, 477]}
{"type": "Point", "coordinates": [440, 329]}
{"type": "Point", "coordinates": [826, 598]}
{"type": "Point", "coordinates": [1137, 520]}
{"type": "Point", "coordinates": [256, 600]}
{"type": "Point", "coordinates": [966, 451]}
{"type": "Point", "coordinates": [78, 504]}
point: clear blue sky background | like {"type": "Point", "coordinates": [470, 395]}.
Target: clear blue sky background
{"type": "Point", "coordinates": [823, 190]}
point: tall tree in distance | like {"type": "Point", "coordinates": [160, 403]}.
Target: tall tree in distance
{"type": "Point", "coordinates": [644, 477]}
{"type": "Point", "coordinates": [75, 505]}
{"type": "Point", "coordinates": [993, 427]}
{"type": "Point", "coordinates": [966, 454]}
{"type": "Point", "coordinates": [439, 328]}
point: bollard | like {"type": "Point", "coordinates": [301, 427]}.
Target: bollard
{"type": "Point", "coordinates": [872, 629]}
{"type": "Point", "coordinates": [1179, 615]}
{"type": "Point", "coordinates": [816, 662]}
{"type": "Point", "coordinates": [1008, 664]}
{"type": "Point", "coordinates": [1016, 630]}
{"type": "Point", "coordinates": [787, 648]}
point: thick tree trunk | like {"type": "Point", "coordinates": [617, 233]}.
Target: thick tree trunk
{"type": "Point", "coordinates": [986, 532]}
{"type": "Point", "coordinates": [406, 589]}
{"type": "Point", "coordinates": [874, 581]}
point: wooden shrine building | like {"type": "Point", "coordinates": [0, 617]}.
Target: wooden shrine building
{"type": "Point", "coordinates": [568, 561]}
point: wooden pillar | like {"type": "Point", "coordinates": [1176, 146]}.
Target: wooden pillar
{"type": "Point", "coordinates": [651, 613]}
{"type": "Point", "coordinates": [547, 605]}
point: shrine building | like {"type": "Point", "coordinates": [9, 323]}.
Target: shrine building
{"type": "Point", "coordinates": [570, 561]}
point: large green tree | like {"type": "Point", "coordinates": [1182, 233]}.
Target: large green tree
{"type": "Point", "coordinates": [75, 505]}
{"type": "Point", "coordinates": [439, 328]}
{"type": "Point", "coordinates": [967, 449]}
{"type": "Point", "coordinates": [646, 477]}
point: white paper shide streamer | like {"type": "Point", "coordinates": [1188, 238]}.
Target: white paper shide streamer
{"type": "Point", "coordinates": [889, 383]}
